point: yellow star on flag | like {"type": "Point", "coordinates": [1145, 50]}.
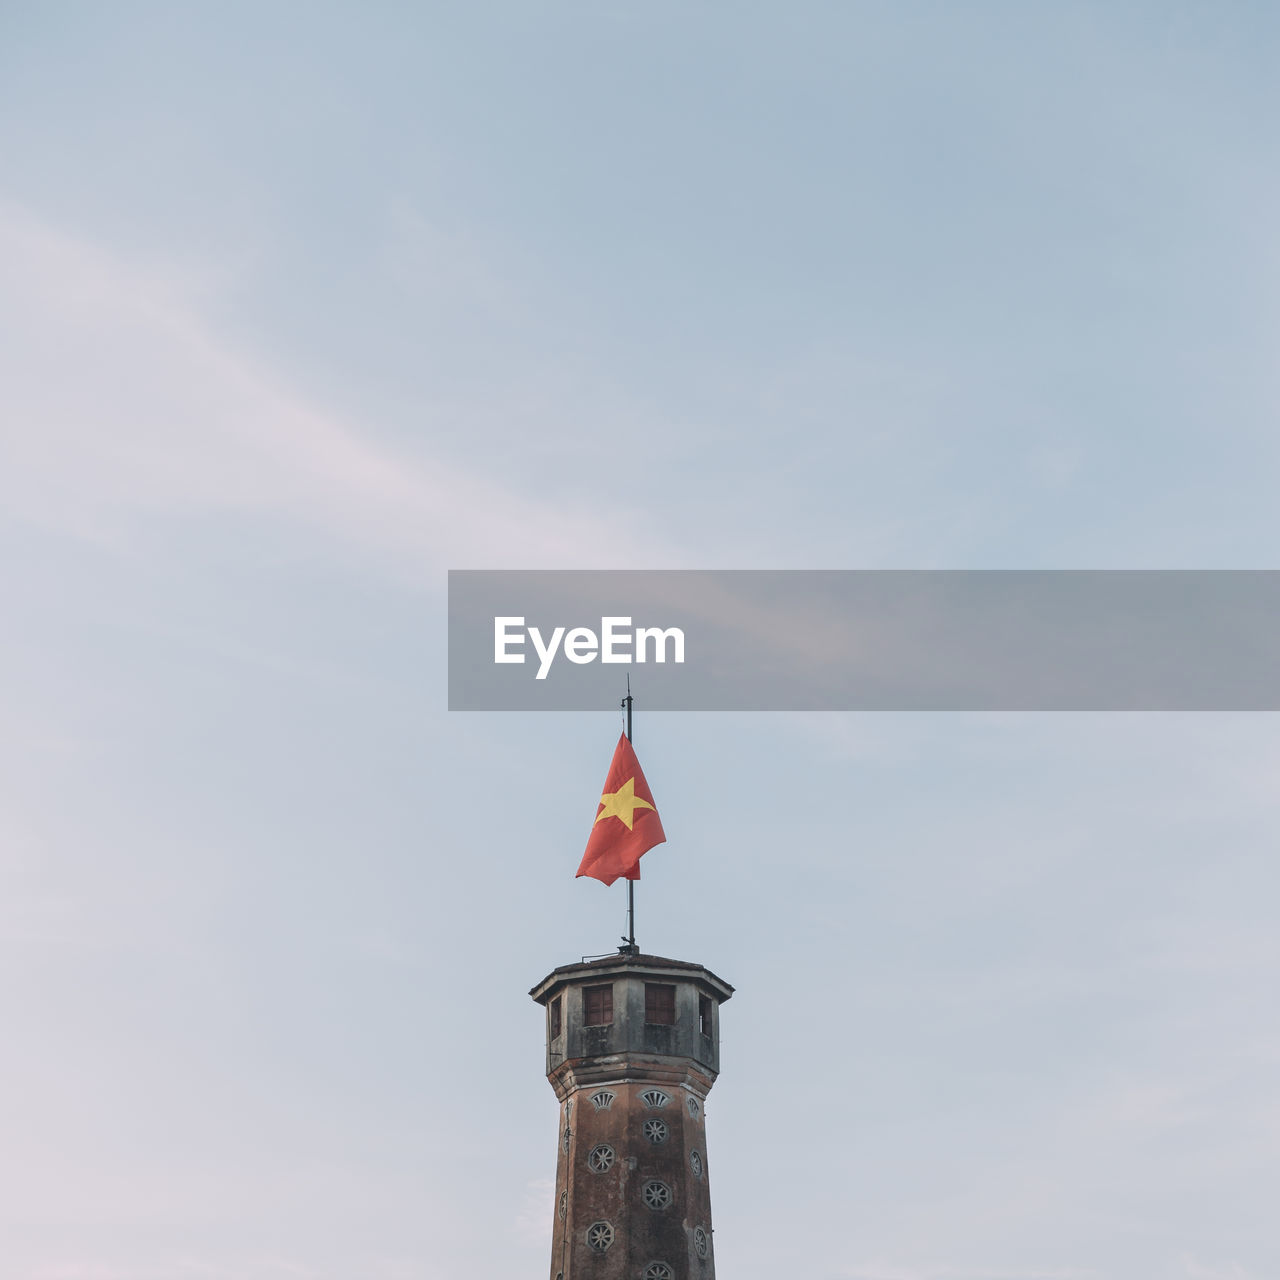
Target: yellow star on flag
{"type": "Point", "coordinates": [622, 804]}
{"type": "Point", "coordinates": [614, 848]}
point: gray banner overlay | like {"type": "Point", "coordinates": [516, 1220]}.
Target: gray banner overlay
{"type": "Point", "coordinates": [813, 640]}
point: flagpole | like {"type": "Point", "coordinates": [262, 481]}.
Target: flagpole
{"type": "Point", "coordinates": [632, 949]}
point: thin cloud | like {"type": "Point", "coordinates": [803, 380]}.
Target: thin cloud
{"type": "Point", "coordinates": [1194, 1269]}
{"type": "Point", "coordinates": [181, 1269]}
{"type": "Point", "coordinates": [900, 1271]}
{"type": "Point", "coordinates": [124, 405]}
{"type": "Point", "coordinates": [533, 1221]}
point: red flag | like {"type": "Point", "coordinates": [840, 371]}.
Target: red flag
{"type": "Point", "coordinates": [627, 824]}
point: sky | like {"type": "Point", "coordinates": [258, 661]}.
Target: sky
{"type": "Point", "coordinates": [302, 306]}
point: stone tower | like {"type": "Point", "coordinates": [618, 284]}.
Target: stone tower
{"type": "Point", "coordinates": [633, 1048]}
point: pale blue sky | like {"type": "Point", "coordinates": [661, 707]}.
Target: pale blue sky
{"type": "Point", "coordinates": [301, 306]}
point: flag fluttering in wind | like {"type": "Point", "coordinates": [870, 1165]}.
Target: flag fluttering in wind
{"type": "Point", "coordinates": [627, 824]}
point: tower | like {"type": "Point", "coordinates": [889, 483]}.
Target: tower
{"type": "Point", "coordinates": [633, 1048]}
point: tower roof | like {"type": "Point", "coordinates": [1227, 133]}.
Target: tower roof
{"type": "Point", "coordinates": [611, 965]}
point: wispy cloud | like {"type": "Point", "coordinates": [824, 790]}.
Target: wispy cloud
{"type": "Point", "coordinates": [181, 1269]}
{"type": "Point", "coordinates": [906, 1271]}
{"type": "Point", "coordinates": [1194, 1269]}
{"type": "Point", "coordinates": [124, 403]}
{"type": "Point", "coordinates": [533, 1221]}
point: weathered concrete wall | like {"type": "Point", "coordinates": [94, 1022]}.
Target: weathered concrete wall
{"type": "Point", "coordinates": [629, 1033]}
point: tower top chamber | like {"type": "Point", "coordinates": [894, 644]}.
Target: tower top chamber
{"type": "Point", "coordinates": [633, 1007]}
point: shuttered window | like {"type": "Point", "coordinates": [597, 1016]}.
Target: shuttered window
{"type": "Point", "coordinates": [597, 1006]}
{"type": "Point", "coordinates": [704, 1015]}
{"type": "Point", "coordinates": [659, 1003]}
{"type": "Point", "coordinates": [555, 1017]}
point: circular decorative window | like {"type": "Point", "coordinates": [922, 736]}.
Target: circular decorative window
{"type": "Point", "coordinates": [599, 1236]}
{"type": "Point", "coordinates": [701, 1242]}
{"type": "Point", "coordinates": [695, 1163]}
{"type": "Point", "coordinates": [692, 1103]}
{"type": "Point", "coordinates": [601, 1159]}
{"type": "Point", "coordinates": [601, 1099]}
{"type": "Point", "coordinates": [657, 1195]}
{"type": "Point", "coordinates": [567, 1133]}
{"type": "Point", "coordinates": [654, 1098]}
{"type": "Point", "coordinates": [658, 1271]}
{"type": "Point", "coordinates": [656, 1130]}
{"type": "Point", "coordinates": [564, 1204]}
